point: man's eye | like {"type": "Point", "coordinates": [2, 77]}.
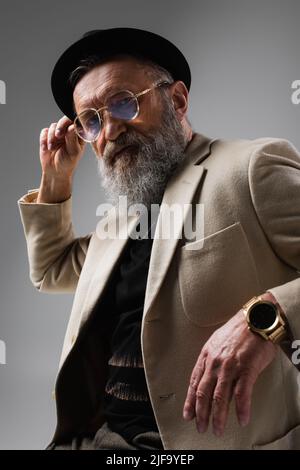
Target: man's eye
{"type": "Point", "coordinates": [92, 120]}
{"type": "Point", "coordinates": [123, 102]}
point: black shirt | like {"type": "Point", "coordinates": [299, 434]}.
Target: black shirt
{"type": "Point", "coordinates": [127, 406]}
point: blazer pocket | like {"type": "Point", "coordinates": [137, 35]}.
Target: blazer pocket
{"type": "Point", "coordinates": [290, 441]}
{"type": "Point", "coordinates": [217, 275]}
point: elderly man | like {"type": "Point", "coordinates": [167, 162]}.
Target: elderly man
{"type": "Point", "coordinates": [173, 342]}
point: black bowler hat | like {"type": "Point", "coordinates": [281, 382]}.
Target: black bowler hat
{"type": "Point", "coordinates": [105, 42]}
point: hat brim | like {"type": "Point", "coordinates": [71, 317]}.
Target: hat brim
{"type": "Point", "coordinates": [111, 42]}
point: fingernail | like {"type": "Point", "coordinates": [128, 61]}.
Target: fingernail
{"type": "Point", "coordinates": [243, 421]}
{"type": "Point", "coordinates": [218, 432]}
{"type": "Point", "coordinates": [50, 146]}
{"type": "Point", "coordinates": [58, 131]}
{"type": "Point", "coordinates": [201, 427]}
{"type": "Point", "coordinates": [187, 414]}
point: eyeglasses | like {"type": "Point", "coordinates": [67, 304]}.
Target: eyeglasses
{"type": "Point", "coordinates": [122, 105]}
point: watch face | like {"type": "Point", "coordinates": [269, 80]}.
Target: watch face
{"type": "Point", "coordinates": [262, 316]}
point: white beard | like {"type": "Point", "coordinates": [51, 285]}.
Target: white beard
{"type": "Point", "coordinates": [141, 173]}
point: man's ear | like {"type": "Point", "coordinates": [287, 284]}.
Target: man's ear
{"type": "Point", "coordinates": [179, 95]}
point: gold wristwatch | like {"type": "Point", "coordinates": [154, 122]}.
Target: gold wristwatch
{"type": "Point", "coordinates": [266, 319]}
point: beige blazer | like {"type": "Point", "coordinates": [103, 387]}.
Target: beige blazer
{"type": "Point", "coordinates": [250, 191]}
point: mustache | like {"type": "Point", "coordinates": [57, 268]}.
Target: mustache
{"type": "Point", "coordinates": [123, 140]}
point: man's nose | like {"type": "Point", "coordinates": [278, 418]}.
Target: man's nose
{"type": "Point", "coordinates": [112, 128]}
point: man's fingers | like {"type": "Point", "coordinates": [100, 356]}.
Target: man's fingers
{"type": "Point", "coordinates": [204, 397]}
{"type": "Point", "coordinates": [221, 400]}
{"type": "Point", "coordinates": [243, 395]}
{"type": "Point", "coordinates": [62, 126]}
{"type": "Point", "coordinates": [51, 136]}
{"type": "Point", "coordinates": [73, 143]}
{"type": "Point", "coordinates": [43, 139]}
{"type": "Point", "coordinates": [190, 402]}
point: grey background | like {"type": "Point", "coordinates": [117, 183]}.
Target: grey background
{"type": "Point", "coordinates": [244, 56]}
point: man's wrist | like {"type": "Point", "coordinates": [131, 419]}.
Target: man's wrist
{"type": "Point", "coordinates": [54, 190]}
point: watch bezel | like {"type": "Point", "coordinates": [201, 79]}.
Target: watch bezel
{"type": "Point", "coordinates": [274, 324]}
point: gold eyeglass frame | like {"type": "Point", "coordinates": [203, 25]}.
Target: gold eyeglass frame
{"type": "Point", "coordinates": [97, 111]}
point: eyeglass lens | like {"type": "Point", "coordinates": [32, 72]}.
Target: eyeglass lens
{"type": "Point", "coordinates": [122, 105]}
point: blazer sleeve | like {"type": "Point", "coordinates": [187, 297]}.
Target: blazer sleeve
{"type": "Point", "coordinates": [55, 255]}
{"type": "Point", "coordinates": [274, 179]}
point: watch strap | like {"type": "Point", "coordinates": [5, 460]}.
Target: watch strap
{"type": "Point", "coordinates": [278, 335]}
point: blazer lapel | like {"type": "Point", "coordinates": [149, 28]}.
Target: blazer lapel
{"type": "Point", "coordinates": [180, 190]}
{"type": "Point", "coordinates": [112, 249]}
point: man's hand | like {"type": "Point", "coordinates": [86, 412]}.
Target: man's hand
{"type": "Point", "coordinates": [60, 152]}
{"type": "Point", "coordinates": [228, 366]}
